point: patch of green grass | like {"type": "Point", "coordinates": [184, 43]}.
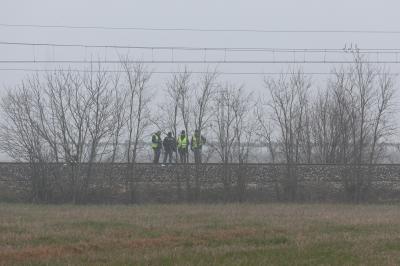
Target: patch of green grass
{"type": "Point", "coordinates": [98, 226]}
{"type": "Point", "coordinates": [277, 240]}
{"type": "Point", "coordinates": [12, 229]}
{"type": "Point", "coordinates": [229, 234]}
{"type": "Point", "coordinates": [393, 245]}
{"type": "Point", "coordinates": [281, 255]}
{"type": "Point", "coordinates": [353, 229]}
{"type": "Point", "coordinates": [55, 240]}
{"type": "Point", "coordinates": [102, 226]}
{"type": "Point", "coordinates": [330, 253]}
{"type": "Point", "coordinates": [214, 224]}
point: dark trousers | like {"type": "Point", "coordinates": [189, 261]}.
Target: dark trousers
{"type": "Point", "coordinates": [168, 155]}
{"type": "Point", "coordinates": [183, 155]}
{"type": "Point", "coordinates": [157, 153]}
{"type": "Point", "coordinates": [197, 155]}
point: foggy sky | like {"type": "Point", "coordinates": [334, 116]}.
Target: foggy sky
{"type": "Point", "coordinates": [275, 15]}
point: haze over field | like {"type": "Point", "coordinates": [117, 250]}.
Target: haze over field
{"type": "Point", "coordinates": [254, 37]}
{"type": "Point", "coordinates": [296, 104]}
{"type": "Point", "coordinates": [255, 15]}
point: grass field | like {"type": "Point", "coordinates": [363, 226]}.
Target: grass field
{"type": "Point", "coordinates": [272, 234]}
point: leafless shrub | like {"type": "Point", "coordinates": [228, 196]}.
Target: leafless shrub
{"type": "Point", "coordinates": [352, 119]}
{"type": "Point", "coordinates": [289, 98]}
{"type": "Point", "coordinates": [138, 114]}
{"type": "Point", "coordinates": [80, 118]}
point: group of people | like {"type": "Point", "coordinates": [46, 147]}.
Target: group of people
{"type": "Point", "coordinates": [170, 145]}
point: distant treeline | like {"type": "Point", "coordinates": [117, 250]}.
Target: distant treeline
{"type": "Point", "coordinates": [83, 117]}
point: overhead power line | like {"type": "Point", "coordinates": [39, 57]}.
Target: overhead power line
{"type": "Point", "coordinates": [157, 72]}
{"type": "Point", "coordinates": [198, 61]}
{"type": "Point", "coordinates": [172, 72]}
{"type": "Point", "coordinates": [190, 29]}
{"type": "Point", "coordinates": [230, 49]}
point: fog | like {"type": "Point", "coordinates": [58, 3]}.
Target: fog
{"type": "Point", "coordinates": [259, 15]}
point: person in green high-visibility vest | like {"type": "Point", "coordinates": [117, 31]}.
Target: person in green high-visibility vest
{"type": "Point", "coordinates": [196, 144]}
{"type": "Point", "coordinates": [183, 144]}
{"type": "Point", "coordinates": [156, 145]}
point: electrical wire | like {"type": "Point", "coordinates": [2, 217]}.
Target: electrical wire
{"type": "Point", "coordinates": [86, 27]}
{"type": "Point", "coordinates": [197, 61]}
{"type": "Point", "coordinates": [173, 72]}
{"type": "Point", "coordinates": [230, 49]}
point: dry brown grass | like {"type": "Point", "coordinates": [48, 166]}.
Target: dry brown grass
{"type": "Point", "coordinates": [200, 234]}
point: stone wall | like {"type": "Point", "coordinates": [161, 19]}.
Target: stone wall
{"type": "Point", "coordinates": [118, 183]}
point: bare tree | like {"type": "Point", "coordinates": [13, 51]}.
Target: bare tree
{"type": "Point", "coordinates": [244, 126]}
{"type": "Point", "coordinates": [224, 121]}
{"type": "Point", "coordinates": [99, 118]}
{"type": "Point", "coordinates": [138, 115]}
{"type": "Point", "coordinates": [58, 114]}
{"type": "Point", "coordinates": [288, 104]}
{"type": "Point", "coordinates": [20, 137]}
{"type": "Point", "coordinates": [264, 128]}
{"type": "Point", "coordinates": [325, 127]}
{"type": "Point", "coordinates": [118, 113]}
{"type": "Point", "coordinates": [204, 93]}
{"type": "Point", "coordinates": [264, 131]}
{"type": "Point", "coordinates": [169, 108]}
{"type": "Point", "coordinates": [70, 116]}
{"type": "Point", "coordinates": [80, 118]}
{"type": "Point", "coordinates": [382, 122]}
{"type": "Point", "coordinates": [231, 108]}
{"type": "Point", "coordinates": [71, 104]}
{"type": "Point", "coordinates": [184, 91]}
{"type": "Point", "coordinates": [352, 119]}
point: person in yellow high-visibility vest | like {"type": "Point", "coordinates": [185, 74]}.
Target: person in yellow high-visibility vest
{"type": "Point", "coordinates": [196, 144]}
{"type": "Point", "coordinates": [156, 145]}
{"type": "Point", "coordinates": [183, 144]}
